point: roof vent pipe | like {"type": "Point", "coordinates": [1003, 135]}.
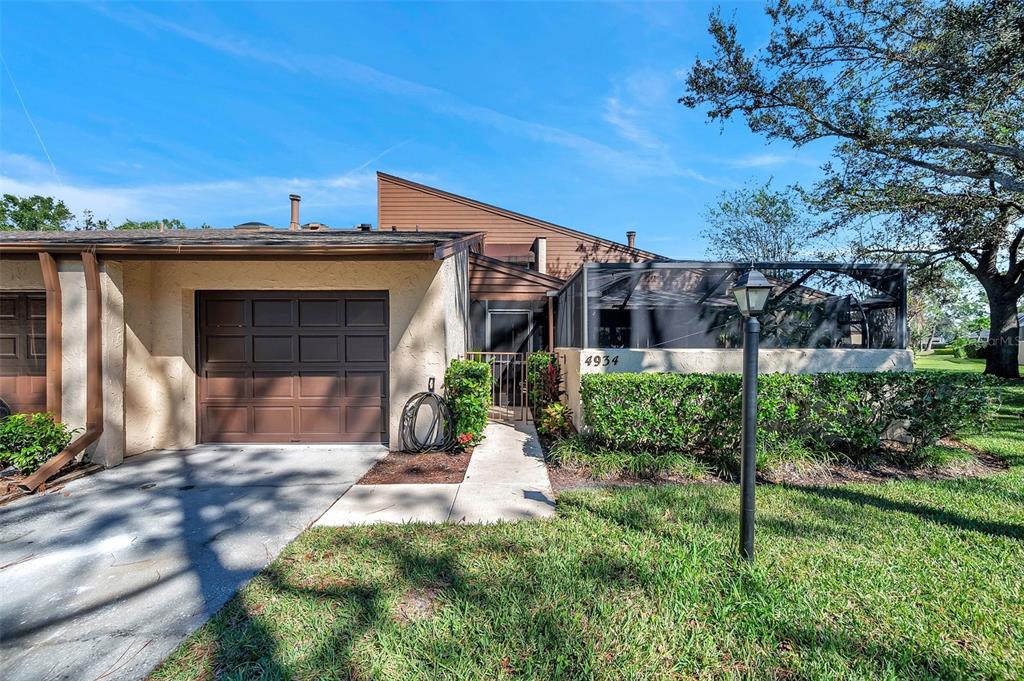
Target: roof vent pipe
{"type": "Point", "coordinates": [295, 198]}
{"type": "Point", "coordinates": [631, 239]}
{"type": "Point", "coordinates": [364, 227]}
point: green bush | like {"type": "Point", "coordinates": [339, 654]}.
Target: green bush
{"type": "Point", "coordinates": [964, 348]}
{"type": "Point", "coordinates": [467, 387]}
{"type": "Point", "coordinates": [543, 375]}
{"type": "Point", "coordinates": [856, 416]}
{"type": "Point", "coordinates": [582, 451]}
{"type": "Point", "coordinates": [555, 420]}
{"type": "Point", "coordinates": [27, 441]}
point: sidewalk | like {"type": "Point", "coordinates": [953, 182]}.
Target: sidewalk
{"type": "Point", "coordinates": [506, 480]}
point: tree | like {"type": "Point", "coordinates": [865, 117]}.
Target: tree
{"type": "Point", "coordinates": [758, 223]}
{"type": "Point", "coordinates": [169, 223]}
{"type": "Point", "coordinates": [925, 104]}
{"type": "Point", "coordinates": [33, 213]}
{"type": "Point", "coordinates": [943, 301]}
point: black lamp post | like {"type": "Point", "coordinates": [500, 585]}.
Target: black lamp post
{"type": "Point", "coordinates": [752, 290]}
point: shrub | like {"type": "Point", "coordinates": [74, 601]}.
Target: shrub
{"type": "Point", "coordinates": [581, 451]}
{"type": "Point", "coordinates": [555, 420]}
{"type": "Point", "coordinates": [543, 375]}
{"type": "Point", "coordinates": [851, 415]}
{"type": "Point", "coordinates": [965, 348]}
{"type": "Point", "coordinates": [467, 387]}
{"type": "Point", "coordinates": [27, 441]}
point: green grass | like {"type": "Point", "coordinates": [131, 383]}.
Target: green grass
{"type": "Point", "coordinates": [908, 579]}
{"type": "Point", "coordinates": [945, 361]}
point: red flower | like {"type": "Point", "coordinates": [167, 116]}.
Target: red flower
{"type": "Point", "coordinates": [464, 438]}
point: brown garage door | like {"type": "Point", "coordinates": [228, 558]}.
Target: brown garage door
{"type": "Point", "coordinates": [291, 366]}
{"type": "Point", "coordinates": [23, 351]}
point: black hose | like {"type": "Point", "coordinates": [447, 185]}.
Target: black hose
{"type": "Point", "coordinates": [440, 433]}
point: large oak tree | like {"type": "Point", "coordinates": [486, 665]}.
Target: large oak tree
{"type": "Point", "coordinates": [925, 104]}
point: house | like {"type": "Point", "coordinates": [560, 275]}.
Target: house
{"type": "Point", "coordinates": [254, 334]}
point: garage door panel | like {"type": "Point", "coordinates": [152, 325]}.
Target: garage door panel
{"type": "Point", "coordinates": [222, 349]}
{"type": "Point", "coordinates": [366, 349]}
{"type": "Point", "coordinates": [318, 348]}
{"type": "Point", "coordinates": [364, 420]}
{"type": "Point", "coordinates": [8, 347]}
{"type": "Point", "coordinates": [320, 313]}
{"type": "Point", "coordinates": [365, 313]}
{"type": "Point", "coordinates": [271, 385]}
{"type": "Point", "coordinates": [293, 366]}
{"type": "Point", "coordinates": [272, 313]}
{"type": "Point", "coordinates": [225, 312]}
{"type": "Point", "coordinates": [320, 386]}
{"type": "Point", "coordinates": [273, 349]}
{"type": "Point", "coordinates": [226, 386]}
{"type": "Point", "coordinates": [226, 422]}
{"type": "Point", "coordinates": [321, 420]}
{"type": "Point", "coordinates": [273, 420]}
{"type": "Point", "coordinates": [365, 384]}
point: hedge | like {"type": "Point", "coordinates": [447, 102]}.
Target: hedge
{"type": "Point", "coordinates": [467, 387]}
{"type": "Point", "coordinates": [849, 414]}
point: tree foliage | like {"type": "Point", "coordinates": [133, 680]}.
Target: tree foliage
{"type": "Point", "coordinates": [34, 213]}
{"type": "Point", "coordinates": [45, 213]}
{"type": "Point", "coordinates": [758, 223]}
{"type": "Point", "coordinates": [925, 104]}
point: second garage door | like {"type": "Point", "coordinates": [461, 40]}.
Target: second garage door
{"type": "Point", "coordinates": [287, 366]}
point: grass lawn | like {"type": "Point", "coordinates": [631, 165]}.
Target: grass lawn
{"type": "Point", "coordinates": [901, 580]}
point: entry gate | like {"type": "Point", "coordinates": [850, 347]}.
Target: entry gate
{"type": "Point", "coordinates": [509, 385]}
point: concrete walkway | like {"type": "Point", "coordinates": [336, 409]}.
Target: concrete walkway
{"type": "Point", "coordinates": [506, 480]}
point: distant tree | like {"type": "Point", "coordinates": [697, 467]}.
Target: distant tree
{"type": "Point", "coordinates": [33, 214]}
{"type": "Point", "coordinates": [89, 223]}
{"type": "Point", "coordinates": [759, 223]}
{"type": "Point", "coordinates": [169, 223]}
{"type": "Point", "coordinates": [944, 301]}
{"type": "Point", "coordinates": [924, 100]}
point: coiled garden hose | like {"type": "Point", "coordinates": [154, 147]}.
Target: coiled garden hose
{"type": "Point", "coordinates": [423, 433]}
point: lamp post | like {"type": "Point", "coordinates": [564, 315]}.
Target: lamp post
{"type": "Point", "coordinates": [752, 290]}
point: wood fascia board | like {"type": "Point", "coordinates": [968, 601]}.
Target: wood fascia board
{"type": "Point", "coordinates": [454, 246]}
{"type": "Point", "coordinates": [486, 262]}
{"type": "Point", "coordinates": [505, 213]}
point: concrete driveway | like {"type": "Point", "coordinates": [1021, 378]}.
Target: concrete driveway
{"type": "Point", "coordinates": [104, 578]}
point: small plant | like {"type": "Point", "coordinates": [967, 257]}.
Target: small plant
{"type": "Point", "coordinates": [555, 420]}
{"type": "Point", "coordinates": [27, 441]}
{"type": "Point", "coordinates": [545, 380]}
{"type": "Point", "coordinates": [464, 439]}
{"type": "Point", "coordinates": [467, 387]}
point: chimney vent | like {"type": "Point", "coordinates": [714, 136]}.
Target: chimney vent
{"type": "Point", "coordinates": [295, 198]}
{"type": "Point", "coordinates": [631, 239]}
{"type": "Point", "coordinates": [364, 227]}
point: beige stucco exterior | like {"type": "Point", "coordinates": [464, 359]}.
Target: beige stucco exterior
{"type": "Point", "coordinates": [428, 328]}
{"type": "Point", "coordinates": [576, 362]}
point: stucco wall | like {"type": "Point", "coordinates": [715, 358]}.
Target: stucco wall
{"type": "Point", "coordinates": [577, 362]}
{"type": "Point", "coordinates": [21, 275]}
{"type": "Point", "coordinates": [160, 336]}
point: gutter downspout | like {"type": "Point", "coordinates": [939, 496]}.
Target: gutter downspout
{"type": "Point", "coordinates": [54, 326]}
{"type": "Point", "coordinates": [94, 381]}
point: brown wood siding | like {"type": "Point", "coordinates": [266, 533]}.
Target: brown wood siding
{"type": "Point", "coordinates": [491, 279]}
{"type": "Point", "coordinates": [405, 205]}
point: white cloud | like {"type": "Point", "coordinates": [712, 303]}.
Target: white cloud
{"type": "Point", "coordinates": [624, 120]}
{"type": "Point", "coordinates": [768, 160]}
{"type": "Point", "coordinates": [234, 200]}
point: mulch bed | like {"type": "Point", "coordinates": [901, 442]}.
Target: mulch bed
{"type": "Point", "coordinates": [428, 467]}
{"type": "Point", "coordinates": [9, 490]}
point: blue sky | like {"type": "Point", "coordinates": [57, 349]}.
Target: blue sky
{"type": "Point", "coordinates": [216, 112]}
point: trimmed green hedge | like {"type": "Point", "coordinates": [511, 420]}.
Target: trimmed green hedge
{"type": "Point", "coordinates": [849, 414]}
{"type": "Point", "coordinates": [467, 388]}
